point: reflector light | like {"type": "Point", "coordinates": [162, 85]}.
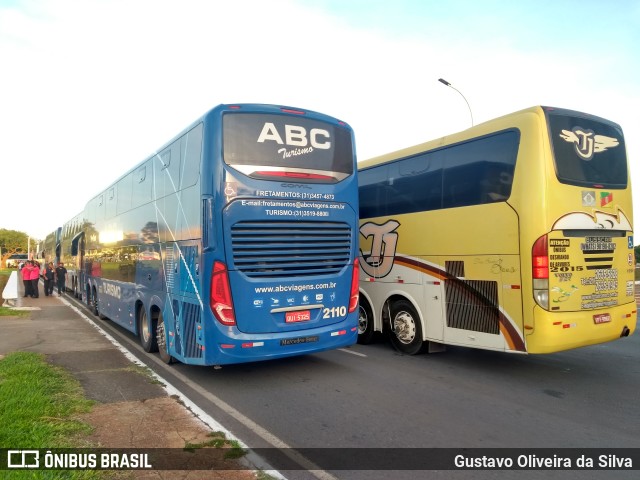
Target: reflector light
{"type": "Point", "coordinates": [353, 296]}
{"type": "Point", "coordinates": [307, 176]}
{"type": "Point", "coordinates": [227, 345]}
{"type": "Point", "coordinates": [221, 301]}
{"type": "Point", "coordinates": [290, 110]}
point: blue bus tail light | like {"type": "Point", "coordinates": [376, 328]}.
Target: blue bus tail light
{"type": "Point", "coordinates": [353, 296]}
{"type": "Point", "coordinates": [221, 301]}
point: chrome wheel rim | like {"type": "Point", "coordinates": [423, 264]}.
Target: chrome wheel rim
{"type": "Point", "coordinates": [404, 327]}
{"type": "Point", "coordinates": [146, 330]}
{"type": "Point", "coordinates": [363, 320]}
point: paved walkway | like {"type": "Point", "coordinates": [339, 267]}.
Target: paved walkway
{"type": "Point", "coordinates": [67, 340]}
{"type": "Point", "coordinates": [133, 410]}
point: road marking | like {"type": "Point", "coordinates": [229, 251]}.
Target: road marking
{"type": "Point", "coordinates": [263, 433]}
{"type": "Point", "coordinates": [346, 350]}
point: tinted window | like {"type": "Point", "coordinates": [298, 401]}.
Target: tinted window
{"type": "Point", "coordinates": [167, 170]}
{"type": "Point", "coordinates": [142, 183]}
{"type": "Point", "coordinates": [191, 145]}
{"type": "Point", "coordinates": [111, 202]}
{"type": "Point", "coordinates": [286, 141]}
{"type": "Point", "coordinates": [470, 173]}
{"type": "Point", "coordinates": [479, 171]}
{"type": "Point", "coordinates": [588, 151]}
{"type": "Point", "coordinates": [124, 194]}
{"type": "Point", "coordinates": [374, 187]}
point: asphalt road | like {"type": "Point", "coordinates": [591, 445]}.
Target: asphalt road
{"type": "Point", "coordinates": [370, 397]}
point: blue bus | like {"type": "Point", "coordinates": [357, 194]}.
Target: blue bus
{"type": "Point", "coordinates": [234, 242]}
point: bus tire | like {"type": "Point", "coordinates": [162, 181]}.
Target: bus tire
{"type": "Point", "coordinates": [101, 315]}
{"type": "Point", "coordinates": [365, 322]}
{"type": "Point", "coordinates": [147, 332]}
{"type": "Point", "coordinates": [93, 301]}
{"type": "Point", "coordinates": [406, 330]}
{"type": "Point", "coordinates": [161, 338]}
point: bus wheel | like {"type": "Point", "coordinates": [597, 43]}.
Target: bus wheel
{"type": "Point", "coordinates": [101, 316]}
{"type": "Point", "coordinates": [161, 336]}
{"type": "Point", "coordinates": [147, 332]}
{"type": "Point", "coordinates": [406, 331]}
{"type": "Point", "coordinates": [365, 323]}
{"type": "Point", "coordinates": [94, 301]}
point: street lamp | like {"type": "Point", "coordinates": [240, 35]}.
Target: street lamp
{"type": "Point", "coordinates": [444, 82]}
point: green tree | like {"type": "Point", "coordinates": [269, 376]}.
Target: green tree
{"type": "Point", "coordinates": [637, 252]}
{"type": "Point", "coordinates": [12, 241]}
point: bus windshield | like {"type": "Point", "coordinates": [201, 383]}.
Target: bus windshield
{"type": "Point", "coordinates": [588, 152]}
{"type": "Point", "coordinates": [266, 146]}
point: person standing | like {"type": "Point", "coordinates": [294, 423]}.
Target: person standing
{"type": "Point", "coordinates": [61, 276]}
{"type": "Point", "coordinates": [35, 279]}
{"type": "Point", "coordinates": [49, 274]}
{"type": "Point", "coordinates": [26, 278]}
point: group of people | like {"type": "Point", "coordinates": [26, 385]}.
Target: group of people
{"type": "Point", "coordinates": [31, 274]}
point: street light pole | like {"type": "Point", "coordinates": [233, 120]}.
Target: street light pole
{"type": "Point", "coordinates": [444, 82]}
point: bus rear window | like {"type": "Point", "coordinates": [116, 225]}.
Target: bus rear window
{"type": "Point", "coordinates": [588, 151]}
{"type": "Point", "coordinates": [274, 147]}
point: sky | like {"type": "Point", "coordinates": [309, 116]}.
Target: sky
{"type": "Point", "coordinates": [89, 88]}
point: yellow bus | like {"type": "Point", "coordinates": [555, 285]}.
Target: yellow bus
{"type": "Point", "coordinates": [514, 235]}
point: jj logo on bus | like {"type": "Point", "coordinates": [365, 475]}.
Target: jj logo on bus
{"type": "Point", "coordinates": [587, 143]}
{"type": "Point", "coordinates": [379, 261]}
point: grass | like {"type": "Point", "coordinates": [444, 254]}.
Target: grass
{"type": "Point", "coordinates": [39, 408]}
{"type": "Point", "coordinates": [219, 440]}
{"type": "Point", "coordinates": [39, 404]}
{"type": "Point", "coordinates": [4, 276]}
{"type": "Point", "coordinates": [10, 312]}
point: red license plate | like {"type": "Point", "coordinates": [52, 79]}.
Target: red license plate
{"type": "Point", "coordinates": [602, 318]}
{"type": "Point", "coordinates": [301, 316]}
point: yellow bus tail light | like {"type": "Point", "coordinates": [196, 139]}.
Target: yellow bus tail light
{"type": "Point", "coordinates": [540, 271]}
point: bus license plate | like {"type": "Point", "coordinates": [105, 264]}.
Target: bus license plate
{"type": "Point", "coordinates": [602, 318]}
{"type": "Point", "coordinates": [299, 340]}
{"type": "Point", "coordinates": [294, 317]}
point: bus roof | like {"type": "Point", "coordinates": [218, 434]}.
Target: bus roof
{"type": "Point", "coordinates": [480, 129]}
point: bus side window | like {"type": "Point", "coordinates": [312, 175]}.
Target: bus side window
{"type": "Point", "coordinates": [141, 193]}
{"type": "Point", "coordinates": [480, 171]}
{"type": "Point", "coordinates": [421, 176]}
{"type": "Point", "coordinates": [373, 191]}
{"type": "Point", "coordinates": [191, 150]}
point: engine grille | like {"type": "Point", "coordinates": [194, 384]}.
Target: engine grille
{"type": "Point", "coordinates": [285, 248]}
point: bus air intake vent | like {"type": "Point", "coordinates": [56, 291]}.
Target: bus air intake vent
{"type": "Point", "coordinates": [271, 249]}
{"type": "Point", "coordinates": [191, 318]}
{"type": "Point", "coordinates": [472, 305]}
